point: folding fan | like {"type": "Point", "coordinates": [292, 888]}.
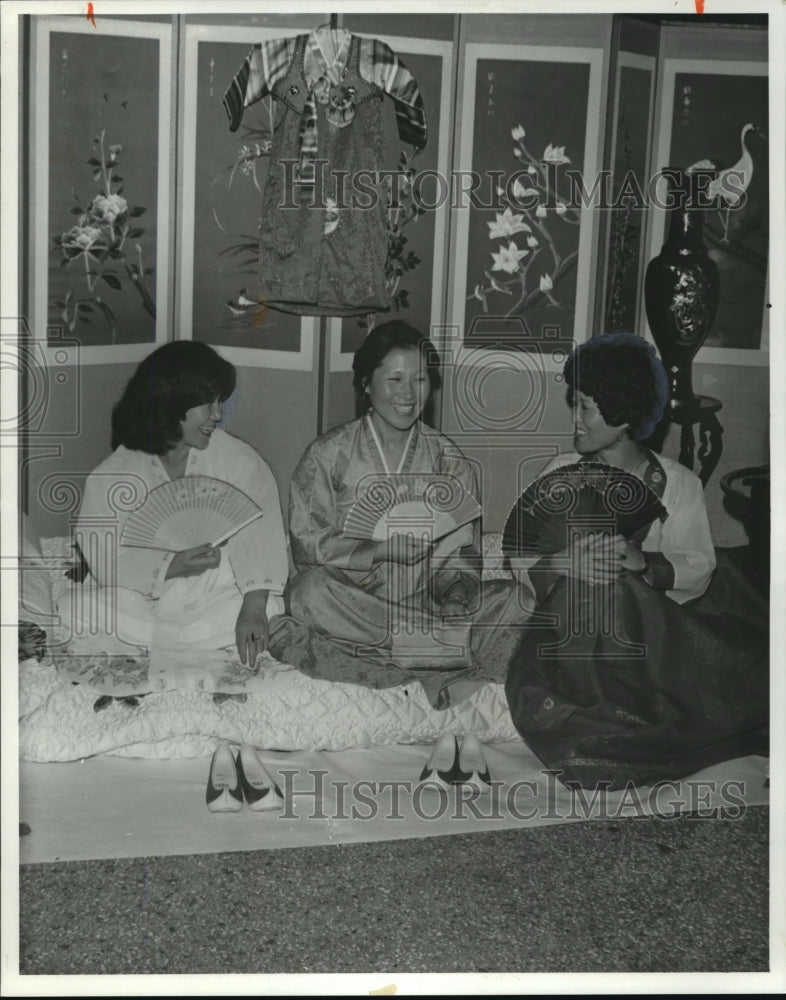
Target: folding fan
{"type": "Point", "coordinates": [590, 496]}
{"type": "Point", "coordinates": [436, 505]}
{"type": "Point", "coordinates": [186, 512]}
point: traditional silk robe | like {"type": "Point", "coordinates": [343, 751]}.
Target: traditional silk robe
{"type": "Point", "coordinates": [677, 677]}
{"type": "Point", "coordinates": [381, 619]}
{"type": "Point", "coordinates": [330, 477]}
{"type": "Point", "coordinates": [127, 601]}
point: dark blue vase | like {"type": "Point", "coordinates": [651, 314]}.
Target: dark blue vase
{"type": "Point", "coordinates": [681, 288]}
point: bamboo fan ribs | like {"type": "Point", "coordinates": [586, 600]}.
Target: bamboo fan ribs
{"type": "Point", "coordinates": [398, 505]}
{"type": "Point", "coordinates": [583, 496]}
{"type": "Point", "coordinates": [186, 512]}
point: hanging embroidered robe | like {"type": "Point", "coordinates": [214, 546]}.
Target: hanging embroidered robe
{"type": "Point", "coordinates": [323, 236]}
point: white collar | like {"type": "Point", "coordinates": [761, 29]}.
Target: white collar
{"type": "Point", "coordinates": [378, 443]}
{"type": "Point", "coordinates": [327, 51]}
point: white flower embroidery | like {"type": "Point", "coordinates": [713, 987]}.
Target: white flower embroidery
{"type": "Point", "coordinates": [508, 258]}
{"type": "Point", "coordinates": [507, 223]}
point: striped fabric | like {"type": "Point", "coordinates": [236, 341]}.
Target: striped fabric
{"type": "Point", "coordinates": [308, 138]}
{"type": "Point", "coordinates": [263, 67]}
{"type": "Point", "coordinates": [379, 64]}
{"type": "Point", "coordinates": [269, 62]}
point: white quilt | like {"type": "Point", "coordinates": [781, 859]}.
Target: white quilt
{"type": "Point", "coordinates": [286, 711]}
{"type": "Point", "coordinates": [57, 720]}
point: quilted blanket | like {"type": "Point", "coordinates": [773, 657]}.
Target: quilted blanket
{"type": "Point", "coordinates": [58, 720]}
{"type": "Point", "coordinates": [178, 716]}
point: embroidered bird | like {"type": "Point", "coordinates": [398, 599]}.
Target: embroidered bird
{"type": "Point", "coordinates": [235, 309]}
{"type": "Point", "coordinates": [731, 185]}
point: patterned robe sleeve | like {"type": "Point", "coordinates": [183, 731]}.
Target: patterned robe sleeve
{"type": "Point", "coordinates": [314, 528]}
{"type": "Point", "coordinates": [262, 68]}
{"type": "Point", "coordinates": [380, 65]}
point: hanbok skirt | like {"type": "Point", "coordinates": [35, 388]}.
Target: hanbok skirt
{"type": "Point", "coordinates": [618, 685]}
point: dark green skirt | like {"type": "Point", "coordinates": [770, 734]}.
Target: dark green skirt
{"type": "Point", "coordinates": [619, 685]}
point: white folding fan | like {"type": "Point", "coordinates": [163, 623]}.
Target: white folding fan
{"type": "Point", "coordinates": [400, 505]}
{"type": "Point", "coordinates": [190, 511]}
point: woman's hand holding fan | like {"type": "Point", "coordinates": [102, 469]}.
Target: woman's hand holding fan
{"type": "Point", "coordinates": [577, 521]}
{"type": "Point", "coordinates": [593, 558]}
{"type": "Point", "coordinates": [194, 561]}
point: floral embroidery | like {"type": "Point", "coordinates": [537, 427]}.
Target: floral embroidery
{"type": "Point", "coordinates": [104, 238]}
{"type": "Point", "coordinates": [528, 207]}
{"type": "Point", "coordinates": [341, 111]}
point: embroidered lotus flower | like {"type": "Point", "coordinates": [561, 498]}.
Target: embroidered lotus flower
{"type": "Point", "coordinates": [508, 258]}
{"type": "Point", "coordinates": [507, 223]}
{"type": "Point", "coordinates": [109, 208]}
{"type": "Point", "coordinates": [518, 132]}
{"type": "Point", "coordinates": [555, 154]}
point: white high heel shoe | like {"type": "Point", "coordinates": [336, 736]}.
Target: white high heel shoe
{"type": "Point", "coordinates": [472, 766]}
{"type": "Point", "coordinates": [259, 789]}
{"type": "Point", "coordinates": [223, 793]}
{"type": "Point", "coordinates": [441, 768]}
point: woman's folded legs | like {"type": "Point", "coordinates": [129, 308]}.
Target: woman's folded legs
{"type": "Point", "coordinates": [328, 601]}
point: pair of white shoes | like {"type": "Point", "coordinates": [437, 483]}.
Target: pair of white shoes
{"type": "Point", "coordinates": [451, 765]}
{"type": "Point", "coordinates": [233, 779]}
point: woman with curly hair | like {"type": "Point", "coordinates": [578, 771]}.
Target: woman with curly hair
{"type": "Point", "coordinates": [164, 427]}
{"type": "Point", "coordinates": [636, 668]}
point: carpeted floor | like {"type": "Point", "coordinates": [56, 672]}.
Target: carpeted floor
{"type": "Point", "coordinates": [688, 894]}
